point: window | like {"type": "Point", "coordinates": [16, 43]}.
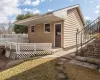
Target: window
{"type": "Point", "coordinates": [47, 27]}
{"type": "Point", "coordinates": [32, 29]}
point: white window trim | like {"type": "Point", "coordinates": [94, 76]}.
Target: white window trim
{"type": "Point", "coordinates": [31, 29]}
{"type": "Point", "coordinates": [50, 27]}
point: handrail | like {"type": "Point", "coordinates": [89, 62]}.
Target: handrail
{"type": "Point", "coordinates": [88, 33]}
{"type": "Point", "coordinates": [89, 24]}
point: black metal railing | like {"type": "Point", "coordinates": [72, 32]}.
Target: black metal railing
{"type": "Point", "coordinates": [87, 34]}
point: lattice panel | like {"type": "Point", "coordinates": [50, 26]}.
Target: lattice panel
{"type": "Point", "coordinates": [32, 54]}
{"type": "Point", "coordinates": [25, 55]}
{"type": "Point", "coordinates": [43, 47]}
{"type": "Point", "coordinates": [27, 50]}
{"type": "Point", "coordinates": [26, 47]}
{"type": "Point", "coordinates": [37, 47]}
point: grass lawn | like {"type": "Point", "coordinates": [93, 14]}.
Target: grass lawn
{"type": "Point", "coordinates": [37, 69]}
{"type": "Point", "coordinates": [75, 72]}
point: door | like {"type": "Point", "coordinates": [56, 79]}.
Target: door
{"type": "Point", "coordinates": [57, 35]}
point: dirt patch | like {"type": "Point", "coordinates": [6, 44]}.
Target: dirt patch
{"type": "Point", "coordinates": [3, 62]}
{"type": "Point", "coordinates": [75, 72]}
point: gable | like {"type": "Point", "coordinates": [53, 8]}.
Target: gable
{"type": "Point", "coordinates": [78, 14]}
{"type": "Point", "coordinates": [71, 24]}
{"type": "Point", "coordinates": [61, 13]}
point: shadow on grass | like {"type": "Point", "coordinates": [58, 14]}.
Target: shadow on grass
{"type": "Point", "coordinates": [37, 69]}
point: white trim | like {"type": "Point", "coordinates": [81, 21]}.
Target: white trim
{"type": "Point", "coordinates": [50, 27]}
{"type": "Point", "coordinates": [28, 19]}
{"type": "Point", "coordinates": [61, 32]}
{"type": "Point", "coordinates": [45, 15]}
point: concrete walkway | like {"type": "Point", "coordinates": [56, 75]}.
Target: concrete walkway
{"type": "Point", "coordinates": [60, 53]}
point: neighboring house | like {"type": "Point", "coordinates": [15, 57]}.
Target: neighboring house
{"type": "Point", "coordinates": [58, 27]}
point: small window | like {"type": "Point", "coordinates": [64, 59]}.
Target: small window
{"type": "Point", "coordinates": [47, 27]}
{"type": "Point", "coordinates": [32, 29]}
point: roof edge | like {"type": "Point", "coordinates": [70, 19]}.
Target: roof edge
{"type": "Point", "coordinates": [49, 13]}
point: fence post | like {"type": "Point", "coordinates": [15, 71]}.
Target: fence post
{"type": "Point", "coordinates": [18, 48]}
{"type": "Point", "coordinates": [35, 48]}
{"type": "Point", "coordinates": [5, 45]}
{"type": "Point", "coordinates": [51, 48]}
{"type": "Point", "coordinates": [10, 45]}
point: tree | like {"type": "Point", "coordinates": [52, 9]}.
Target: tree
{"type": "Point", "coordinates": [28, 14]}
{"type": "Point", "coordinates": [23, 28]}
{"type": "Point", "coordinates": [20, 29]}
{"type": "Point", "coordinates": [87, 22]}
{"type": "Point", "coordinates": [25, 16]}
{"type": "Point", "coordinates": [20, 17]}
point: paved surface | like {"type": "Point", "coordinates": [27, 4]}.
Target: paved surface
{"type": "Point", "coordinates": [61, 53]}
{"type": "Point", "coordinates": [84, 64]}
{"type": "Point", "coordinates": [60, 68]}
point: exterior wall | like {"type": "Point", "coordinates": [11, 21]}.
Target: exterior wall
{"type": "Point", "coordinates": [71, 24]}
{"type": "Point", "coordinates": [40, 36]}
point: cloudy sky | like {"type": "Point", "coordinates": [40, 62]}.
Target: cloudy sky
{"type": "Point", "coordinates": [9, 9]}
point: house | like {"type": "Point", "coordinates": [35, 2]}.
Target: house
{"type": "Point", "coordinates": [58, 27]}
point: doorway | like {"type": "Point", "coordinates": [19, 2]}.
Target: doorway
{"type": "Point", "coordinates": [58, 35]}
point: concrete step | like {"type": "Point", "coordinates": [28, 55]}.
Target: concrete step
{"type": "Point", "coordinates": [84, 50]}
{"type": "Point", "coordinates": [60, 63]}
{"type": "Point", "coordinates": [88, 59]}
{"type": "Point", "coordinates": [59, 68]}
{"type": "Point", "coordinates": [97, 41]}
{"type": "Point", "coordinates": [97, 46]}
{"type": "Point", "coordinates": [63, 59]}
{"type": "Point", "coordinates": [89, 53]}
{"type": "Point", "coordinates": [61, 76]}
{"type": "Point", "coordinates": [90, 45]}
{"type": "Point", "coordinates": [84, 64]}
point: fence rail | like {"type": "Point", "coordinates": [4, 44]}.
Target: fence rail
{"type": "Point", "coordinates": [19, 38]}
{"type": "Point", "coordinates": [87, 34]}
{"type": "Point", "coordinates": [13, 35]}
{"type": "Point", "coordinates": [25, 50]}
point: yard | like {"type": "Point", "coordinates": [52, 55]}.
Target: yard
{"type": "Point", "coordinates": [36, 69]}
{"type": "Point", "coordinates": [75, 72]}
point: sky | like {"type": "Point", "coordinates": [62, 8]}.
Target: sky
{"type": "Point", "coordinates": [9, 9]}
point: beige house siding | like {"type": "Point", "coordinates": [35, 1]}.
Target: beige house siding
{"type": "Point", "coordinates": [40, 36]}
{"type": "Point", "coordinates": [71, 24]}
{"type": "Point", "coordinates": [69, 28]}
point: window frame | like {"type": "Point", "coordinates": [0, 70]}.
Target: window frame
{"type": "Point", "coordinates": [31, 29]}
{"type": "Point", "coordinates": [44, 27]}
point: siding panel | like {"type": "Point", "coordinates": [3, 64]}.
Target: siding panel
{"type": "Point", "coordinates": [71, 24]}
{"type": "Point", "coordinates": [40, 36]}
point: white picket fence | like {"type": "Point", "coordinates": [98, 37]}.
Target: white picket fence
{"type": "Point", "coordinates": [26, 50]}
{"type": "Point", "coordinates": [13, 35]}
{"type": "Point", "coordinates": [19, 38]}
